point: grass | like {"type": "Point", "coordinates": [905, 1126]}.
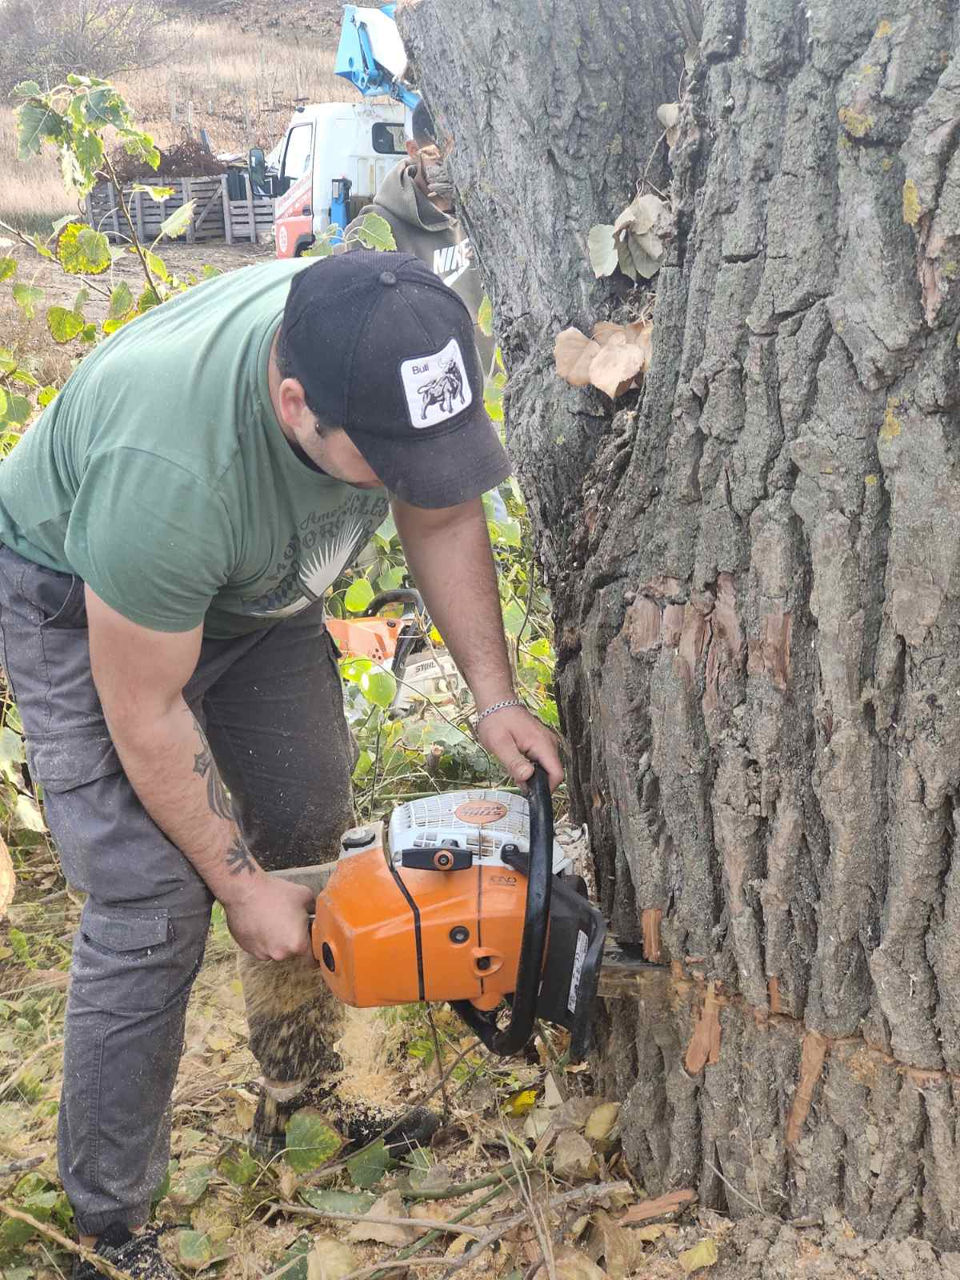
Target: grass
{"type": "Point", "coordinates": [241, 88]}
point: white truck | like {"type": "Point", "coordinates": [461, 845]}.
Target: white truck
{"type": "Point", "coordinates": [333, 158]}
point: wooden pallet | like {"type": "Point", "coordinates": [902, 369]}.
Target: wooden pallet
{"type": "Point", "coordinates": [215, 216]}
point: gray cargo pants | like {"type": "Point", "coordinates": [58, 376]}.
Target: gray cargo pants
{"type": "Point", "coordinates": [271, 704]}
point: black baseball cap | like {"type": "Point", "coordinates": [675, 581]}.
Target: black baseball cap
{"type": "Point", "coordinates": [385, 350]}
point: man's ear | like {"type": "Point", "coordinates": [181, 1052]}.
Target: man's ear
{"type": "Point", "coordinates": [292, 402]}
{"type": "Point", "coordinates": [413, 151]}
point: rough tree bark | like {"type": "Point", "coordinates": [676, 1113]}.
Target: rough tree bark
{"type": "Point", "coordinates": [754, 564]}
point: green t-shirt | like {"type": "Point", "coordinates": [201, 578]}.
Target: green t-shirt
{"type": "Point", "coordinates": [160, 474]}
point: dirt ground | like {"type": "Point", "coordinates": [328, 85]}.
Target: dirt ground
{"type": "Point", "coordinates": [182, 261]}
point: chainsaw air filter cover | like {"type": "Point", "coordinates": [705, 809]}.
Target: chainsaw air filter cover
{"type": "Point", "coordinates": [437, 909]}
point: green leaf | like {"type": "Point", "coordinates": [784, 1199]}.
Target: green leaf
{"type": "Point", "coordinates": [514, 615]}
{"type": "Point", "coordinates": [369, 1165]}
{"type": "Point", "coordinates": [354, 669]}
{"type": "Point", "coordinates": [159, 194]}
{"type": "Point", "coordinates": [26, 296]}
{"type": "Point", "coordinates": [3, 404]}
{"type": "Point", "coordinates": [485, 317]}
{"type": "Point", "coordinates": [142, 146]}
{"type": "Point", "coordinates": [104, 106]}
{"type": "Point", "coordinates": [47, 394]}
{"type": "Point", "coordinates": [191, 1182]}
{"type": "Point", "coordinates": [88, 153]}
{"type": "Point", "coordinates": [64, 325]}
{"type": "Point", "coordinates": [239, 1167]}
{"type": "Point", "coordinates": [379, 688]}
{"type": "Point", "coordinates": [375, 232]}
{"type": "Point", "coordinates": [26, 89]}
{"type": "Point", "coordinates": [364, 761]}
{"type": "Point", "coordinates": [40, 247]}
{"type": "Point", "coordinates": [178, 221]}
{"type": "Point", "coordinates": [358, 595]}
{"type": "Point", "coordinates": [509, 533]}
{"type": "Point", "coordinates": [36, 122]}
{"type": "Point", "coordinates": [333, 1201]}
{"type": "Point", "coordinates": [148, 298]}
{"type": "Point", "coordinates": [121, 304]}
{"type": "Point", "coordinates": [156, 264]}
{"type": "Point", "coordinates": [294, 1260]}
{"type": "Point", "coordinates": [311, 1142]}
{"type": "Point", "coordinates": [194, 1249]}
{"type": "Point", "coordinates": [8, 267]}
{"type": "Point", "coordinates": [18, 409]}
{"type": "Point", "coordinates": [83, 251]}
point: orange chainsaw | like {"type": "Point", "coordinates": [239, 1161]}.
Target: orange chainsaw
{"type": "Point", "coordinates": [465, 898]}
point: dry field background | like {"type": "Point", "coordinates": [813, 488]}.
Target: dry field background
{"type": "Point", "coordinates": [238, 76]}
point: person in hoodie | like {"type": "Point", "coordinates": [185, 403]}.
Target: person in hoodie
{"type": "Point", "coordinates": [417, 199]}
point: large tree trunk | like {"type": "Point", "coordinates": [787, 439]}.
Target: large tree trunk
{"type": "Point", "coordinates": [754, 565]}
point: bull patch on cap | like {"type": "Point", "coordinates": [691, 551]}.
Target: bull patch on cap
{"type": "Point", "coordinates": [436, 387]}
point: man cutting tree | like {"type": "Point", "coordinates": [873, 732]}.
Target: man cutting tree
{"type": "Point", "coordinates": [169, 528]}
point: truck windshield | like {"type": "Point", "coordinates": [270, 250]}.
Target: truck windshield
{"type": "Point", "coordinates": [296, 158]}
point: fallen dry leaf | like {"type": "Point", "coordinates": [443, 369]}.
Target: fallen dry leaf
{"type": "Point", "coordinates": [572, 1264]}
{"type": "Point", "coordinates": [651, 1233]}
{"type": "Point", "coordinates": [431, 1210]}
{"type": "Point", "coordinates": [573, 353]}
{"type": "Point", "coordinates": [573, 1157]}
{"type": "Point", "coordinates": [616, 368]}
{"type": "Point", "coordinates": [668, 113]}
{"type": "Point", "coordinates": [390, 1205]}
{"type": "Point", "coordinates": [704, 1254]}
{"type": "Point", "coordinates": [8, 879]}
{"type": "Point", "coordinates": [639, 215]}
{"type": "Point", "coordinates": [330, 1259]}
{"type": "Point", "coordinates": [602, 249]}
{"type": "Point", "coordinates": [621, 1249]}
{"type": "Point", "coordinates": [601, 1123]}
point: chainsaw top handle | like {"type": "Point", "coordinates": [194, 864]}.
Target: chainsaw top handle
{"type": "Point", "coordinates": [536, 918]}
{"type": "Point", "coordinates": [396, 595]}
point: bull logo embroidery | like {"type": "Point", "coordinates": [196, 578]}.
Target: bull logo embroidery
{"type": "Point", "coordinates": [442, 390]}
{"type": "Point", "coordinates": [436, 385]}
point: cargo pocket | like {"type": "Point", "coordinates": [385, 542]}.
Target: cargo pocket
{"type": "Point", "coordinates": [124, 961]}
{"type": "Point", "coordinates": [71, 758]}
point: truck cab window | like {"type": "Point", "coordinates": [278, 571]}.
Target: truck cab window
{"type": "Point", "coordinates": [388, 139]}
{"type": "Point", "coordinates": [296, 157]}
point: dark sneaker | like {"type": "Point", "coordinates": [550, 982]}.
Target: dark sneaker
{"type": "Point", "coordinates": [140, 1256]}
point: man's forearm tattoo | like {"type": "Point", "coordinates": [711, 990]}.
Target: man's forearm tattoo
{"type": "Point", "coordinates": [204, 764]}
{"type": "Point", "coordinates": [239, 858]}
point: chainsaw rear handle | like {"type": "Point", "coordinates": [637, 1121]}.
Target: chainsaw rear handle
{"type": "Point", "coordinates": [536, 917]}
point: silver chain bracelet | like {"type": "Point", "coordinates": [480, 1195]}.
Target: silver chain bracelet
{"type": "Point", "coordinates": [499, 706]}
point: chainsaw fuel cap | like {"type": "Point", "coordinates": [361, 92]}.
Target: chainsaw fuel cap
{"type": "Point", "coordinates": [448, 857]}
{"type": "Point", "coordinates": [356, 838]}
